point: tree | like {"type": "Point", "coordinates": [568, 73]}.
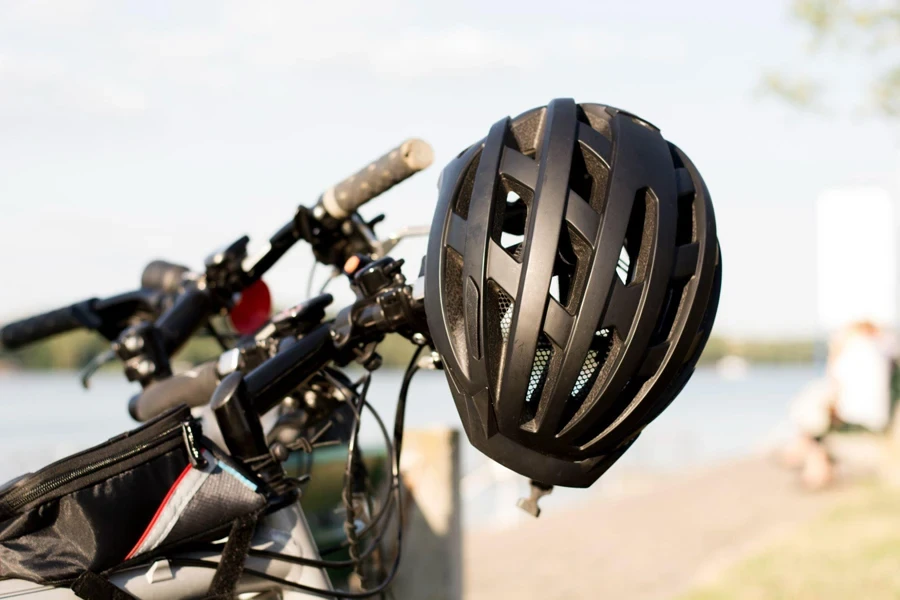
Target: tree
{"type": "Point", "coordinates": [869, 30]}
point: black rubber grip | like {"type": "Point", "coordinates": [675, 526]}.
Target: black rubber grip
{"type": "Point", "coordinates": [163, 276]}
{"type": "Point", "coordinates": [180, 322]}
{"type": "Point", "coordinates": [405, 160]}
{"type": "Point", "coordinates": [269, 383]}
{"type": "Point", "coordinates": [193, 388]}
{"type": "Point", "coordinates": [33, 329]}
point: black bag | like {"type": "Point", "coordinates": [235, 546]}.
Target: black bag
{"type": "Point", "coordinates": [130, 498]}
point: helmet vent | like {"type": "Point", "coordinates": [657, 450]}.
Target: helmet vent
{"type": "Point", "coordinates": [587, 369]}
{"type": "Point", "coordinates": [686, 225]}
{"type": "Point", "coordinates": [634, 257]}
{"type": "Point", "coordinates": [570, 269]}
{"type": "Point", "coordinates": [511, 218]}
{"type": "Point", "coordinates": [513, 244]}
{"type": "Point", "coordinates": [453, 276]}
{"type": "Point", "coordinates": [589, 177]}
{"type": "Point", "coordinates": [672, 304]}
{"type": "Point", "coordinates": [499, 306]}
{"type": "Point", "coordinates": [623, 400]}
{"type": "Point", "coordinates": [464, 196]}
{"type": "Point", "coordinates": [505, 305]}
{"type": "Point", "coordinates": [539, 368]}
{"type": "Point", "coordinates": [601, 346]}
{"type": "Point", "coordinates": [596, 355]}
{"type": "Point", "coordinates": [581, 181]}
{"type": "Point", "coordinates": [623, 268]}
{"type": "Point", "coordinates": [598, 117]}
{"type": "Point", "coordinates": [554, 289]}
{"type": "Point", "coordinates": [685, 231]}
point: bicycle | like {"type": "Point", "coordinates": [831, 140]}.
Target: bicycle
{"type": "Point", "coordinates": [182, 302]}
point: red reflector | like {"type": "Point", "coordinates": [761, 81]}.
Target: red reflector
{"type": "Point", "coordinates": [252, 310]}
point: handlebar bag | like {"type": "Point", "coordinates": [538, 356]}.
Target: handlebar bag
{"type": "Point", "coordinates": [135, 496]}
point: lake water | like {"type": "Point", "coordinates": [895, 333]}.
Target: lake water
{"type": "Point", "coordinates": [46, 416]}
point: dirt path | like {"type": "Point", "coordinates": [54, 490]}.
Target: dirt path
{"type": "Point", "coordinates": [643, 547]}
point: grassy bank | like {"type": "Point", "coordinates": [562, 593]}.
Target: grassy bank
{"type": "Point", "coordinates": [851, 552]}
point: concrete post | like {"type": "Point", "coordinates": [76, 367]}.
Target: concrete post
{"type": "Point", "coordinates": [431, 565]}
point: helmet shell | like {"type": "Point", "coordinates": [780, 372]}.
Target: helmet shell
{"type": "Point", "coordinates": [572, 280]}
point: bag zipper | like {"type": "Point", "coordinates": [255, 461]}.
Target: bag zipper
{"type": "Point", "coordinates": [18, 498]}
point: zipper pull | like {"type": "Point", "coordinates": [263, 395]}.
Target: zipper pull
{"type": "Point", "coordinates": [191, 434]}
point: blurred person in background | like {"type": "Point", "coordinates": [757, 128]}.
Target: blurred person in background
{"type": "Point", "coordinates": [855, 394]}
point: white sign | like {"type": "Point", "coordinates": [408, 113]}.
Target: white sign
{"type": "Point", "coordinates": [857, 257]}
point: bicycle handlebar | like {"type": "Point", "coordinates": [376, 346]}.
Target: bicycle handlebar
{"type": "Point", "coordinates": [107, 316]}
{"type": "Point", "coordinates": [36, 328]}
{"type": "Point", "coordinates": [268, 384]}
{"type": "Point", "coordinates": [193, 388]}
{"type": "Point", "coordinates": [385, 303]}
{"type": "Point", "coordinates": [193, 305]}
{"type": "Point", "coordinates": [340, 201]}
{"type": "Point", "coordinates": [407, 159]}
{"type": "Point", "coordinates": [273, 380]}
{"type": "Point", "coordinates": [163, 276]}
{"type": "Point", "coordinates": [180, 322]}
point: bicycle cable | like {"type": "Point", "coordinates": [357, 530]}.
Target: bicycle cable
{"type": "Point", "coordinates": [397, 484]}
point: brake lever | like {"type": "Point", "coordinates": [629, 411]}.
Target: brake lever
{"type": "Point", "coordinates": [386, 245]}
{"type": "Point", "coordinates": [95, 364]}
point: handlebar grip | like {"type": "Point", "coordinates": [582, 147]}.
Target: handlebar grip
{"type": "Point", "coordinates": [33, 329]}
{"type": "Point", "coordinates": [193, 388]}
{"type": "Point", "coordinates": [269, 383]}
{"type": "Point", "coordinates": [163, 276]}
{"type": "Point", "coordinates": [180, 322]}
{"type": "Point", "coordinates": [407, 159]}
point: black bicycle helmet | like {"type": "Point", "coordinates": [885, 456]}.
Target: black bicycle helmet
{"type": "Point", "coordinates": [571, 283]}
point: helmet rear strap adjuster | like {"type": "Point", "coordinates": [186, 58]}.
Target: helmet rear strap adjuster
{"type": "Point", "coordinates": [530, 504]}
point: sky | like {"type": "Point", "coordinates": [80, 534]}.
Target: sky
{"type": "Point", "coordinates": [136, 130]}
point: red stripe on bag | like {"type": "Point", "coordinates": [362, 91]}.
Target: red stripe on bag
{"type": "Point", "coordinates": [159, 510]}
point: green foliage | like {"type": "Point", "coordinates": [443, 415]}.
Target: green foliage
{"type": "Point", "coordinates": [761, 351]}
{"type": "Point", "coordinates": [68, 351]}
{"type": "Point", "coordinates": [72, 351]}
{"type": "Point", "coordinates": [799, 93]}
{"type": "Point", "coordinates": [851, 552]}
{"type": "Point", "coordinates": [199, 350]}
{"type": "Point", "coordinates": [396, 351]}
{"type": "Point", "coordinates": [869, 30]}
